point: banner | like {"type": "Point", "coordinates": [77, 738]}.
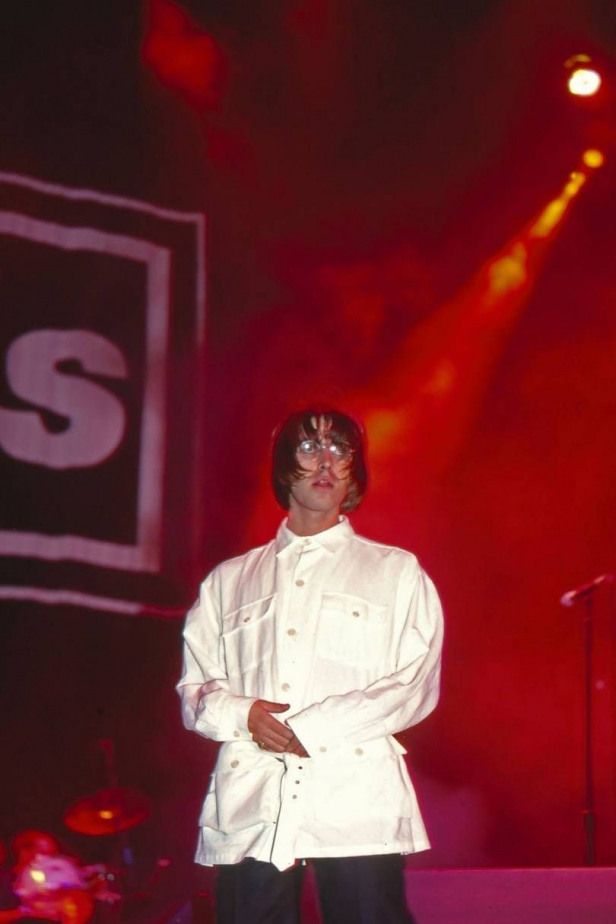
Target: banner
{"type": "Point", "coordinates": [103, 302]}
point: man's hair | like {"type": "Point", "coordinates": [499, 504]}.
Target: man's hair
{"type": "Point", "coordinates": [304, 424]}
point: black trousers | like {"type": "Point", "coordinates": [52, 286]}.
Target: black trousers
{"type": "Point", "coordinates": [352, 890]}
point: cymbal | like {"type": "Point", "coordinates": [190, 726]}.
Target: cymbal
{"type": "Point", "coordinates": [107, 811]}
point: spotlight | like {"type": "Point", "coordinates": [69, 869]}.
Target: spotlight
{"type": "Point", "coordinates": [584, 79]}
{"type": "Point", "coordinates": [593, 158]}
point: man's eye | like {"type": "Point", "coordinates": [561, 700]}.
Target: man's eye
{"type": "Point", "coordinates": [308, 446]}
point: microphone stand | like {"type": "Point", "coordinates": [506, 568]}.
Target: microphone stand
{"type": "Point", "coordinates": [585, 593]}
{"type": "Point", "coordinates": [588, 812]}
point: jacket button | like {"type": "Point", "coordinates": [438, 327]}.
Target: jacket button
{"type": "Point", "coordinates": [236, 734]}
{"type": "Point", "coordinates": [322, 749]}
{"type": "Point", "coordinates": [291, 631]}
{"type": "Point", "coordinates": [235, 763]}
{"type": "Point", "coordinates": [355, 614]}
{"type": "Point", "coordinates": [286, 686]}
{"type": "Point", "coordinates": [299, 583]}
{"type": "Point", "coordinates": [359, 751]}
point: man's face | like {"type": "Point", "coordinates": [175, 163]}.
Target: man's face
{"type": "Point", "coordinates": [324, 486]}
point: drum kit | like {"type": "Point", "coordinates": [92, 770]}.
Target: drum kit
{"type": "Point", "coordinates": [107, 811]}
{"type": "Point", "coordinates": [55, 887]}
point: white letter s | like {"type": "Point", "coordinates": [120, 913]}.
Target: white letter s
{"type": "Point", "coordinates": [96, 418]}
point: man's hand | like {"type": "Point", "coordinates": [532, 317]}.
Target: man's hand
{"type": "Point", "coordinates": [269, 733]}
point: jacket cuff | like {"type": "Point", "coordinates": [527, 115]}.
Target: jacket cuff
{"type": "Point", "coordinates": [230, 722]}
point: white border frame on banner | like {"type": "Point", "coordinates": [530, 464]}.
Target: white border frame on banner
{"type": "Point", "coordinates": [145, 555]}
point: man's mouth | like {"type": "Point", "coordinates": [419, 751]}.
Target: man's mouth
{"type": "Point", "coordinates": [323, 483]}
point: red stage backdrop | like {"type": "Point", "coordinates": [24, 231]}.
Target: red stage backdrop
{"type": "Point", "coordinates": [403, 219]}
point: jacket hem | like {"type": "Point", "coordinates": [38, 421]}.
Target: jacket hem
{"type": "Point", "coordinates": [220, 858]}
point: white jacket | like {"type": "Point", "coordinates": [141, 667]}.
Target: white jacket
{"type": "Point", "coordinates": [347, 631]}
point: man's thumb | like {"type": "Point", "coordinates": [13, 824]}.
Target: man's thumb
{"type": "Point", "coordinates": [274, 707]}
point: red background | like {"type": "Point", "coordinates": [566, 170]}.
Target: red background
{"type": "Point", "coordinates": [364, 168]}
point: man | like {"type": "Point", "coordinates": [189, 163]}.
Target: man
{"type": "Point", "coordinates": [304, 657]}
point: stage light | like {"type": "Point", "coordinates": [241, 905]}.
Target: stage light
{"type": "Point", "coordinates": [593, 158]}
{"type": "Point", "coordinates": [181, 54]}
{"type": "Point", "coordinates": [584, 82]}
{"type": "Point", "coordinates": [509, 271]}
{"type": "Point", "coordinates": [554, 211]}
{"type": "Point", "coordinates": [584, 79]}
{"type": "Point", "coordinates": [574, 183]}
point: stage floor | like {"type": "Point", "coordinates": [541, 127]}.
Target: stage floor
{"type": "Point", "coordinates": [510, 896]}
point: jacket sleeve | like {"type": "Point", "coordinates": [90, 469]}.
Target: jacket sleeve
{"type": "Point", "coordinates": [394, 702]}
{"type": "Point", "coordinates": [208, 706]}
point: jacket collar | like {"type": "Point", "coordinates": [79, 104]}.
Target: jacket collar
{"type": "Point", "coordinates": [330, 539]}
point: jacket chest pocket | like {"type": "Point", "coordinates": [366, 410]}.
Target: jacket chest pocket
{"type": "Point", "coordinates": [248, 635]}
{"type": "Point", "coordinates": [352, 630]}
